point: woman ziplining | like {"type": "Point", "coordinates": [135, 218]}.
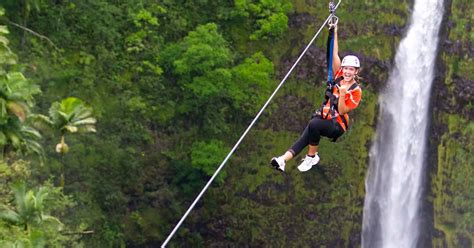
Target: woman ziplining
{"type": "Point", "coordinates": [332, 7]}
{"type": "Point", "coordinates": [331, 119]}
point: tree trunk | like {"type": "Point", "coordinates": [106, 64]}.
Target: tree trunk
{"type": "Point", "coordinates": [61, 180]}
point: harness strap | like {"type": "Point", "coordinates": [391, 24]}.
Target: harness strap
{"type": "Point", "coordinates": [329, 51]}
{"type": "Point", "coordinates": [328, 96]}
{"type": "Point", "coordinates": [334, 102]}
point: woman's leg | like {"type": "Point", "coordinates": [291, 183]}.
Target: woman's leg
{"type": "Point", "coordinates": [288, 156]}
{"type": "Point", "coordinates": [312, 150]}
{"type": "Point", "coordinates": [317, 127]}
{"type": "Point", "coordinates": [280, 162]}
{"type": "Point", "coordinates": [310, 136]}
{"type": "Point", "coordinates": [299, 145]}
{"type": "Point", "coordinates": [327, 130]}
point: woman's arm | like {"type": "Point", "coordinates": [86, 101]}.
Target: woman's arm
{"type": "Point", "coordinates": [346, 103]}
{"type": "Point", "coordinates": [341, 104]}
{"type": "Point", "coordinates": [336, 61]}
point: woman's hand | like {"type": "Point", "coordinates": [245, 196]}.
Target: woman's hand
{"type": "Point", "coordinates": [343, 90]}
{"type": "Point", "coordinates": [341, 105]}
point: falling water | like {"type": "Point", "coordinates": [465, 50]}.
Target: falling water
{"type": "Point", "coordinates": [394, 182]}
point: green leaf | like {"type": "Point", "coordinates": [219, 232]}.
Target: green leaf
{"type": "Point", "coordinates": [9, 215]}
{"type": "Point", "coordinates": [87, 121]}
{"type": "Point", "coordinates": [69, 104]}
{"type": "Point", "coordinates": [64, 116]}
{"type": "Point", "coordinates": [71, 129]}
{"type": "Point", "coordinates": [15, 139]}
{"type": "Point", "coordinates": [40, 121]}
{"type": "Point", "coordinates": [87, 129]}
{"type": "Point", "coordinates": [52, 222]}
{"type": "Point", "coordinates": [81, 113]}
{"type": "Point", "coordinates": [30, 132]}
{"type": "Point", "coordinates": [4, 40]}
{"type": "Point", "coordinates": [4, 29]}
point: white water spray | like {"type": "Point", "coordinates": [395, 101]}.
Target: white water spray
{"type": "Point", "coordinates": [394, 182]}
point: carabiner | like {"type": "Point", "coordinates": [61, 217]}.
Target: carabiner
{"type": "Point", "coordinates": [332, 11]}
{"type": "Point", "coordinates": [333, 21]}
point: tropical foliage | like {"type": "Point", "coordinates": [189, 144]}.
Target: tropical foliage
{"type": "Point", "coordinates": [71, 115]}
{"type": "Point", "coordinates": [163, 90]}
{"type": "Point", "coordinates": [16, 98]}
{"type": "Point", "coordinates": [28, 214]}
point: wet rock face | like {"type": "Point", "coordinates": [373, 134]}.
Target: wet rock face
{"type": "Point", "coordinates": [458, 100]}
{"type": "Point", "coordinates": [458, 96]}
{"type": "Point", "coordinates": [374, 72]}
{"type": "Point", "coordinates": [452, 94]}
{"type": "Point", "coordinates": [310, 67]}
{"type": "Point", "coordinates": [464, 90]}
{"type": "Point", "coordinates": [300, 20]}
{"type": "Point", "coordinates": [393, 30]}
{"type": "Point", "coordinates": [458, 47]}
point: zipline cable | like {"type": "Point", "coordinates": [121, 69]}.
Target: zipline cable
{"type": "Point", "coordinates": [247, 130]}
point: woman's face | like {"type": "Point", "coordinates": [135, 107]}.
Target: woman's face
{"type": "Point", "coordinates": [349, 72]}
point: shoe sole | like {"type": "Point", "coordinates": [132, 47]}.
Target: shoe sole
{"type": "Point", "coordinates": [275, 165]}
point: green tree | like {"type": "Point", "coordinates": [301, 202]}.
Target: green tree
{"type": "Point", "coordinates": [16, 98]}
{"type": "Point", "coordinates": [28, 213]}
{"type": "Point", "coordinates": [206, 156]}
{"type": "Point", "coordinates": [268, 17]}
{"type": "Point", "coordinates": [252, 83]}
{"type": "Point", "coordinates": [212, 92]}
{"type": "Point", "coordinates": [200, 65]}
{"type": "Point", "coordinates": [71, 115]}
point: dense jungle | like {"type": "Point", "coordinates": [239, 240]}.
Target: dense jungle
{"type": "Point", "coordinates": [115, 113]}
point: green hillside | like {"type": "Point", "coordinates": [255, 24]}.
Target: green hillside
{"type": "Point", "coordinates": [114, 115]}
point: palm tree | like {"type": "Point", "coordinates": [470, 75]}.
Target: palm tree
{"type": "Point", "coordinates": [71, 115]}
{"type": "Point", "coordinates": [28, 213]}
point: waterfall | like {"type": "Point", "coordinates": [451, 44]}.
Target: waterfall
{"type": "Point", "coordinates": [394, 181]}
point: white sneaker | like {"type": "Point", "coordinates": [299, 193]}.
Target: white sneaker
{"type": "Point", "coordinates": [278, 163]}
{"type": "Point", "coordinates": [308, 162]}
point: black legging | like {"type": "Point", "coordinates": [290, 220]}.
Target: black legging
{"type": "Point", "coordinates": [313, 131]}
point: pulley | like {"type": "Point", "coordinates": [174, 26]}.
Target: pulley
{"type": "Point", "coordinates": [333, 19]}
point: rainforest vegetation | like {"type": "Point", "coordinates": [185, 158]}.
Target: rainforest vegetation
{"type": "Point", "coordinates": [115, 113]}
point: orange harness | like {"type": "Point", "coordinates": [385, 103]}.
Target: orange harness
{"type": "Point", "coordinates": [333, 101]}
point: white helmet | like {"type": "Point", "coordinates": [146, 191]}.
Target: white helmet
{"type": "Point", "coordinates": [350, 60]}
